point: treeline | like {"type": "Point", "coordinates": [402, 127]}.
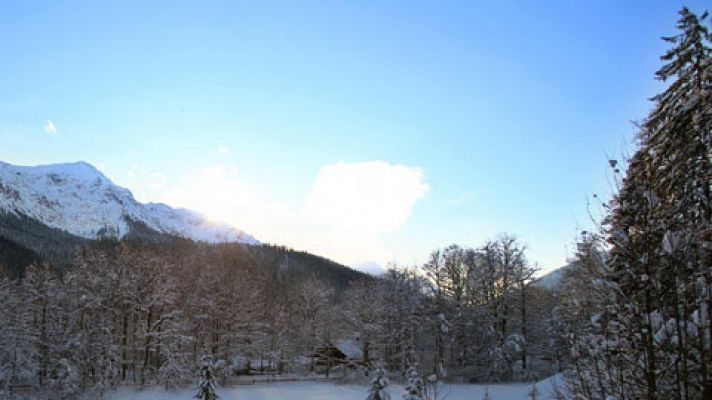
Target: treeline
{"type": "Point", "coordinates": [146, 314]}
{"type": "Point", "coordinates": [639, 317]}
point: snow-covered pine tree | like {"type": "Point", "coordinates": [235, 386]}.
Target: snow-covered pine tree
{"type": "Point", "coordinates": [206, 380]}
{"type": "Point", "coordinates": [678, 135]}
{"type": "Point", "coordinates": [648, 338]}
{"type": "Point", "coordinates": [587, 303]}
{"type": "Point", "coordinates": [662, 256]}
{"type": "Point", "coordinates": [379, 383]}
{"type": "Point", "coordinates": [414, 384]}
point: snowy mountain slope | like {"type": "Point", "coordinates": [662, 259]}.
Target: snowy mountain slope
{"type": "Point", "coordinates": [552, 280]}
{"type": "Point", "coordinates": [80, 200]}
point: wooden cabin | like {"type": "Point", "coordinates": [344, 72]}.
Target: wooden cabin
{"type": "Point", "coordinates": [344, 352]}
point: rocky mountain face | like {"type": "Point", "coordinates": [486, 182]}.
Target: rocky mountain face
{"type": "Point", "coordinates": [79, 200]}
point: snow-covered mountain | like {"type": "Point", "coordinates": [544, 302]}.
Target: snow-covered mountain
{"type": "Point", "coordinates": [78, 199]}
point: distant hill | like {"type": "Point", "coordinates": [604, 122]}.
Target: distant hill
{"type": "Point", "coordinates": [552, 280]}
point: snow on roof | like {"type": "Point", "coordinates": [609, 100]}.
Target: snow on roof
{"type": "Point", "coordinates": [350, 348]}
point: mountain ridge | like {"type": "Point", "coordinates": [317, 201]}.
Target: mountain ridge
{"type": "Point", "coordinates": [53, 213]}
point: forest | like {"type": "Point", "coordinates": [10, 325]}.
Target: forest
{"type": "Point", "coordinates": [146, 314]}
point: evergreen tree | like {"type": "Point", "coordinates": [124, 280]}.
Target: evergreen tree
{"type": "Point", "coordinates": [414, 387]}
{"type": "Point", "coordinates": [378, 386]}
{"type": "Point", "coordinates": [206, 380]}
{"type": "Point", "coordinates": [678, 135]}
{"type": "Point", "coordinates": [649, 334]}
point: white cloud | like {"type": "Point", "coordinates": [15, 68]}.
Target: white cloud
{"type": "Point", "coordinates": [50, 128]}
{"type": "Point", "coordinates": [349, 208]}
{"type": "Point", "coordinates": [374, 196]}
{"type": "Point", "coordinates": [223, 150]}
{"type": "Point", "coordinates": [217, 192]}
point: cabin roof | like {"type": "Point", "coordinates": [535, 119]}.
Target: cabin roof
{"type": "Point", "coordinates": [350, 348]}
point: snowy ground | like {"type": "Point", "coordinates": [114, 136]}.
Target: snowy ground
{"type": "Point", "coordinates": [331, 391]}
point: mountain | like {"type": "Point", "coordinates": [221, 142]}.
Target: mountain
{"type": "Point", "coordinates": [552, 280]}
{"type": "Point", "coordinates": [52, 212]}
{"type": "Point", "coordinates": [49, 212]}
{"type": "Point", "coordinates": [78, 199]}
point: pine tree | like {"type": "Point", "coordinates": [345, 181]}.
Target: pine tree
{"type": "Point", "coordinates": [678, 135]}
{"type": "Point", "coordinates": [661, 226]}
{"type": "Point", "coordinates": [414, 388]}
{"type": "Point", "coordinates": [378, 386]}
{"type": "Point", "coordinates": [647, 337]}
{"type": "Point", "coordinates": [206, 382]}
{"type": "Point", "coordinates": [587, 304]}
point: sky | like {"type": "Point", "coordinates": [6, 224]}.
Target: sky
{"type": "Point", "coordinates": [369, 132]}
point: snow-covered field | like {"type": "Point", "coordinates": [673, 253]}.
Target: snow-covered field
{"type": "Point", "coordinates": [332, 391]}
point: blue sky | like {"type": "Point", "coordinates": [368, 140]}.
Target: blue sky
{"type": "Point", "coordinates": [363, 131]}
